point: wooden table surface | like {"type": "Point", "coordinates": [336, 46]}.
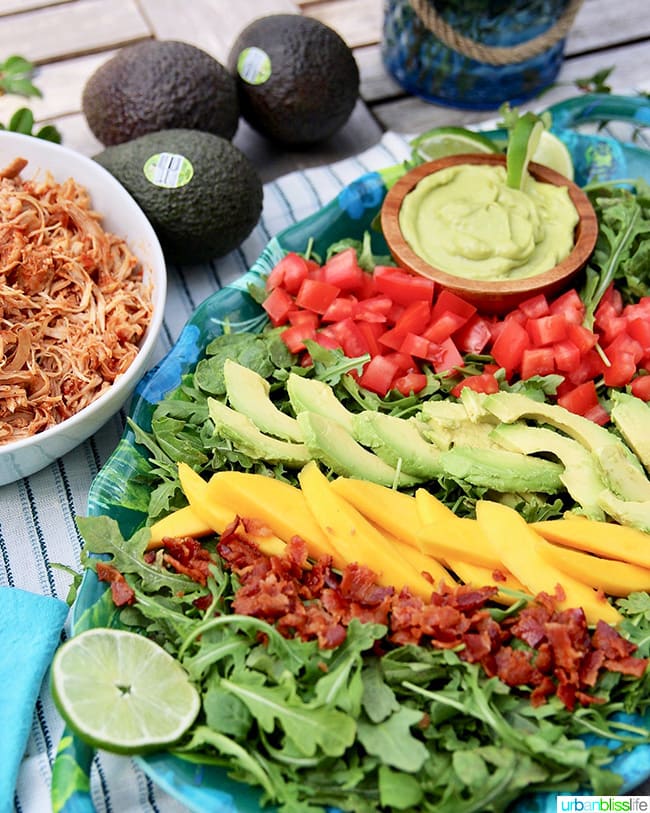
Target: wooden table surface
{"type": "Point", "coordinates": [69, 39]}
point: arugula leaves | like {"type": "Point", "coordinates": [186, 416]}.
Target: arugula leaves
{"type": "Point", "coordinates": [414, 729]}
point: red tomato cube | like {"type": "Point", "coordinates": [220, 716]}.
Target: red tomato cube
{"type": "Point", "coordinates": [315, 295]}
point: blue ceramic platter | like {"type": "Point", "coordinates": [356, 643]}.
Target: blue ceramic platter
{"type": "Point", "coordinates": [595, 156]}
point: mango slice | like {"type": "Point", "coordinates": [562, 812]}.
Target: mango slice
{"type": "Point", "coordinates": [354, 538]}
{"type": "Point", "coordinates": [516, 544]}
{"type": "Point", "coordinates": [182, 522]}
{"type": "Point", "coordinates": [614, 578]}
{"type": "Point", "coordinates": [602, 538]}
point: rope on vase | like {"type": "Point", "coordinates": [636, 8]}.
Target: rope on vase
{"type": "Point", "coordinates": [495, 55]}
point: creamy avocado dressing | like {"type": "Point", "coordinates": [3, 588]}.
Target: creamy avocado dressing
{"type": "Point", "coordinates": [466, 221]}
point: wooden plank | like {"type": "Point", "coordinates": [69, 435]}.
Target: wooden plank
{"type": "Point", "coordinates": [413, 115]}
{"type": "Point", "coordinates": [210, 25]}
{"type": "Point", "coordinates": [71, 29]}
{"type": "Point", "coordinates": [603, 24]}
{"type": "Point", "coordinates": [15, 6]}
{"type": "Point", "coordinates": [61, 84]}
{"type": "Point", "coordinates": [359, 22]}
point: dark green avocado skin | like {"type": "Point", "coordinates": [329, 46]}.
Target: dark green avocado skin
{"type": "Point", "coordinates": [209, 216]}
{"type": "Point", "coordinates": [159, 85]}
{"type": "Point", "coordinates": [314, 81]}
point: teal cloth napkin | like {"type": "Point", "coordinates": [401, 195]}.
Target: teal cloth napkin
{"type": "Point", "coordinates": [30, 631]}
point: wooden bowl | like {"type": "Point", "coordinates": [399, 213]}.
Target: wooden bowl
{"type": "Point", "coordinates": [491, 296]}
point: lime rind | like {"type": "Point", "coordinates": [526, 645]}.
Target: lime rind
{"type": "Point", "coordinates": [442, 141]}
{"type": "Point", "coordinates": [121, 692]}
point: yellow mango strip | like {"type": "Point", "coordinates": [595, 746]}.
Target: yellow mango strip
{"type": "Point", "coordinates": [218, 515]}
{"type": "Point", "coordinates": [431, 509]}
{"type": "Point", "coordinates": [422, 562]}
{"type": "Point", "coordinates": [614, 578]}
{"type": "Point", "coordinates": [355, 539]}
{"type": "Point", "coordinates": [602, 538]}
{"type": "Point", "coordinates": [182, 522]}
{"type": "Point", "coordinates": [515, 542]}
{"type": "Point", "coordinates": [482, 576]}
{"type": "Point", "coordinates": [275, 503]}
{"type": "Point", "coordinates": [391, 510]}
{"type": "Point", "coordinates": [463, 539]}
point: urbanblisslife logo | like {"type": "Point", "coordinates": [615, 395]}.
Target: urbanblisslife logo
{"type": "Point", "coordinates": [585, 804]}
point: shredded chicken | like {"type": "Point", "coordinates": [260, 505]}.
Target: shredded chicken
{"type": "Point", "coordinates": [73, 303]}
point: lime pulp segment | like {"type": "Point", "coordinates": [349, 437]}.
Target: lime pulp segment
{"type": "Point", "coordinates": [442, 141]}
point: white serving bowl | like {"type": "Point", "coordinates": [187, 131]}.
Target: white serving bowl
{"type": "Point", "coordinates": [122, 216]}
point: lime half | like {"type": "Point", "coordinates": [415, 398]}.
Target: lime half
{"type": "Point", "coordinates": [553, 153]}
{"type": "Point", "coordinates": [443, 141]}
{"type": "Point", "coordinates": [122, 692]}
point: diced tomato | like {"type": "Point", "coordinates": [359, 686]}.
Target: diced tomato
{"type": "Point", "coordinates": [342, 307]}
{"type": "Point", "coordinates": [415, 345]}
{"type": "Point", "coordinates": [344, 271]}
{"type": "Point", "coordinates": [292, 269]}
{"type": "Point", "coordinates": [640, 386]}
{"type": "Point", "coordinates": [483, 382]}
{"type": "Point", "coordinates": [351, 338]}
{"type": "Point", "coordinates": [624, 343]}
{"type": "Point", "coordinates": [410, 383]}
{"type": "Point", "coordinates": [294, 337]}
{"type": "Point", "coordinates": [639, 329]}
{"type": "Point", "coordinates": [570, 306]}
{"type": "Point", "coordinates": [278, 304]}
{"type": "Point", "coordinates": [371, 331]}
{"type": "Point", "coordinates": [414, 319]}
{"type": "Point", "coordinates": [638, 310]}
{"type": "Point", "coordinates": [567, 355]}
{"type": "Point", "coordinates": [405, 363]}
{"type": "Point", "coordinates": [620, 371]}
{"type": "Point", "coordinates": [547, 329]}
{"type": "Point", "coordinates": [392, 339]}
{"type": "Point", "coordinates": [609, 324]}
{"type": "Point", "coordinates": [509, 346]}
{"type": "Point", "coordinates": [580, 399]}
{"type": "Point", "coordinates": [442, 326]}
{"type": "Point", "coordinates": [598, 414]}
{"type": "Point", "coordinates": [583, 338]}
{"type": "Point", "coordinates": [537, 361]}
{"type": "Point", "coordinates": [448, 302]}
{"type": "Point", "coordinates": [516, 316]}
{"type": "Point", "coordinates": [535, 306]}
{"type": "Point", "coordinates": [591, 366]}
{"type": "Point", "coordinates": [327, 338]}
{"type": "Point", "coordinates": [445, 356]}
{"type": "Point", "coordinates": [374, 309]}
{"type": "Point", "coordinates": [298, 317]}
{"type": "Point", "coordinates": [473, 336]}
{"type": "Point", "coordinates": [611, 298]}
{"type": "Point", "coordinates": [315, 295]}
{"type": "Point", "coordinates": [401, 286]}
{"type": "Point", "coordinates": [378, 374]}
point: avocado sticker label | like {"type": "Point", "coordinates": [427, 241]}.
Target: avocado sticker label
{"type": "Point", "coordinates": [168, 169]}
{"type": "Point", "coordinates": [254, 66]}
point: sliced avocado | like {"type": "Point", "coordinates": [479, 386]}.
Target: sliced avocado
{"type": "Point", "coordinates": [329, 442]}
{"type": "Point", "coordinates": [447, 423]}
{"type": "Point", "coordinates": [635, 513]}
{"type": "Point", "coordinates": [582, 477]}
{"type": "Point", "coordinates": [399, 443]}
{"type": "Point", "coordinates": [311, 395]}
{"type": "Point", "coordinates": [622, 471]}
{"type": "Point", "coordinates": [248, 394]}
{"type": "Point", "coordinates": [474, 403]}
{"type": "Point", "coordinates": [241, 430]}
{"type": "Point", "coordinates": [631, 417]}
{"type": "Point", "coordinates": [502, 470]}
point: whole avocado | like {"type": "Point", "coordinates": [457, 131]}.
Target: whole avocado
{"type": "Point", "coordinates": [159, 85]}
{"type": "Point", "coordinates": [297, 79]}
{"type": "Point", "coordinates": [201, 194]}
